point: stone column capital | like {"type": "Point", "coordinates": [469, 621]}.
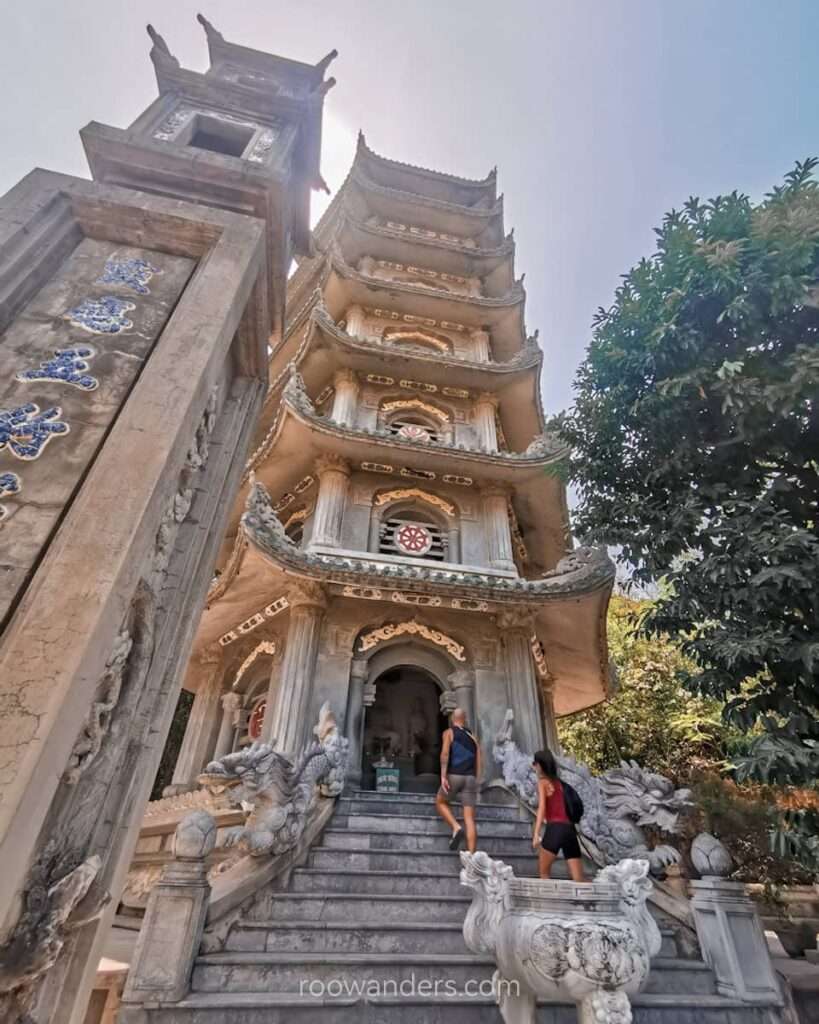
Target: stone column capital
{"type": "Point", "coordinates": [210, 655]}
{"type": "Point", "coordinates": [516, 620]}
{"type": "Point", "coordinates": [307, 594]}
{"type": "Point", "coordinates": [359, 669]}
{"type": "Point", "coordinates": [461, 678]}
{"type": "Point", "coordinates": [495, 489]}
{"type": "Point", "coordinates": [231, 702]}
{"type": "Point", "coordinates": [345, 377]}
{"type": "Point", "coordinates": [329, 462]}
{"type": "Point", "coordinates": [487, 398]}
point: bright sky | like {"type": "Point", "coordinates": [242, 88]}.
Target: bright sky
{"type": "Point", "coordinates": [600, 114]}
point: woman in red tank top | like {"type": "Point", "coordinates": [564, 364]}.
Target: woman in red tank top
{"type": "Point", "coordinates": [559, 833]}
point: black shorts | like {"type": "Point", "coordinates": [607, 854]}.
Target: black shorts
{"type": "Point", "coordinates": [560, 835]}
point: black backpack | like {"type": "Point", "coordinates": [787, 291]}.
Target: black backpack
{"type": "Point", "coordinates": [574, 805]}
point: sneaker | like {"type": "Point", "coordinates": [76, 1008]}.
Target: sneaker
{"type": "Point", "coordinates": [457, 839]}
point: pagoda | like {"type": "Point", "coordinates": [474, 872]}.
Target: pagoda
{"type": "Point", "coordinates": [400, 546]}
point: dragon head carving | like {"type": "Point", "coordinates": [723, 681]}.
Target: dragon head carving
{"type": "Point", "coordinates": [489, 881]}
{"type": "Point", "coordinates": [247, 773]}
{"type": "Point", "coordinates": [644, 797]}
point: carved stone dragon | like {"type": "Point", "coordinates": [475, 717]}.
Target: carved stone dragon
{"type": "Point", "coordinates": [279, 792]}
{"type": "Point", "coordinates": [616, 804]}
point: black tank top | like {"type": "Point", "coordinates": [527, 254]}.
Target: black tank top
{"type": "Point", "coordinates": [462, 752]}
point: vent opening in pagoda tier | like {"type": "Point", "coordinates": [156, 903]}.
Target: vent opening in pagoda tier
{"type": "Point", "coordinates": [414, 534]}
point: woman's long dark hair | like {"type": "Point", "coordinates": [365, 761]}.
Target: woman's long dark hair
{"type": "Point", "coordinates": [546, 761]}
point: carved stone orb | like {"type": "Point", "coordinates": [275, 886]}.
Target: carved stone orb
{"type": "Point", "coordinates": [195, 836]}
{"type": "Point", "coordinates": [709, 856]}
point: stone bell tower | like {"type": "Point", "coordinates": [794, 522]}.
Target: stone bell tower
{"type": "Point", "coordinates": [136, 314]}
{"type": "Point", "coordinates": [244, 136]}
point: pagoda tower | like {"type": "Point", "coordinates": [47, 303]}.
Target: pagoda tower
{"type": "Point", "coordinates": [401, 545]}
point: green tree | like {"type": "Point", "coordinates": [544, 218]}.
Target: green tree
{"type": "Point", "coordinates": [695, 439]}
{"type": "Point", "coordinates": [651, 718]}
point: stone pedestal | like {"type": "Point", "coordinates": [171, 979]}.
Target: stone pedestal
{"type": "Point", "coordinates": [334, 478]}
{"type": "Point", "coordinates": [498, 532]}
{"type": "Point", "coordinates": [732, 940]}
{"type": "Point", "coordinates": [174, 918]}
{"type": "Point", "coordinates": [345, 400]}
{"type": "Point", "coordinates": [290, 726]}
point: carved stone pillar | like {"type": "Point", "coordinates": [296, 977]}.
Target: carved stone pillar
{"type": "Point", "coordinates": [354, 719]}
{"type": "Point", "coordinates": [231, 703]}
{"type": "Point", "coordinates": [334, 478]}
{"type": "Point", "coordinates": [345, 401]}
{"type": "Point", "coordinates": [355, 321]}
{"type": "Point", "coordinates": [203, 722]}
{"type": "Point", "coordinates": [481, 342]}
{"type": "Point", "coordinates": [516, 629]}
{"type": "Point", "coordinates": [290, 727]}
{"type": "Point", "coordinates": [498, 532]}
{"type": "Point", "coordinates": [462, 681]}
{"type": "Point", "coordinates": [549, 719]}
{"type": "Point", "coordinates": [485, 425]}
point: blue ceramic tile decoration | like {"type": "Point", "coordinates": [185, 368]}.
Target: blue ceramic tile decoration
{"type": "Point", "coordinates": [9, 484]}
{"type": "Point", "coordinates": [102, 316]}
{"type": "Point", "coordinates": [134, 273]}
{"type": "Point", "coordinates": [67, 367]}
{"type": "Point", "coordinates": [26, 431]}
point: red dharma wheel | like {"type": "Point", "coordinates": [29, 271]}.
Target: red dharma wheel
{"type": "Point", "coordinates": [412, 432]}
{"type": "Point", "coordinates": [254, 725]}
{"type": "Point", "coordinates": [413, 539]}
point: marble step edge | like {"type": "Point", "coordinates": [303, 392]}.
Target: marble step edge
{"type": "Point", "coordinates": [343, 812]}
{"type": "Point", "coordinates": [399, 926]}
{"type": "Point", "coordinates": [288, 894]}
{"type": "Point", "coordinates": [379, 873]}
{"type": "Point", "coordinates": [377, 851]}
{"type": "Point", "coordinates": [240, 1000]}
{"type": "Point", "coordinates": [244, 958]}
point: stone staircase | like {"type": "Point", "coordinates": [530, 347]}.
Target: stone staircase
{"type": "Point", "coordinates": [379, 900]}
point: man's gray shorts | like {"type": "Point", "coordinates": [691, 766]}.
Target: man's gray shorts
{"type": "Point", "coordinates": [463, 786]}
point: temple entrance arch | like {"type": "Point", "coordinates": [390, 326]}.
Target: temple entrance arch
{"type": "Point", "coordinates": [402, 728]}
{"type": "Point", "coordinates": [401, 693]}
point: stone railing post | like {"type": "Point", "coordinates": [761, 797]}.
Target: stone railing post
{"type": "Point", "coordinates": [174, 918]}
{"type": "Point", "coordinates": [732, 940]}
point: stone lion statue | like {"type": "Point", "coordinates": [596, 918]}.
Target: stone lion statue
{"type": "Point", "coordinates": [616, 804]}
{"type": "Point", "coordinates": [278, 791]}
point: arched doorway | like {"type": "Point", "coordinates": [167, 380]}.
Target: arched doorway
{"type": "Point", "coordinates": [403, 727]}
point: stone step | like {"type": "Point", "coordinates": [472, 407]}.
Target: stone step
{"type": "Point", "coordinates": [416, 861]}
{"type": "Point", "coordinates": [361, 839]}
{"type": "Point", "coordinates": [363, 936]}
{"type": "Point", "coordinates": [424, 883]}
{"type": "Point", "coordinates": [407, 808]}
{"type": "Point", "coordinates": [362, 906]}
{"type": "Point", "coordinates": [294, 972]}
{"type": "Point", "coordinates": [458, 1008]}
{"type": "Point", "coordinates": [349, 936]}
{"type": "Point", "coordinates": [424, 824]}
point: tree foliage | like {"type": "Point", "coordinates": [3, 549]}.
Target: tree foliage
{"type": "Point", "coordinates": [696, 438]}
{"type": "Point", "coordinates": [651, 718]}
